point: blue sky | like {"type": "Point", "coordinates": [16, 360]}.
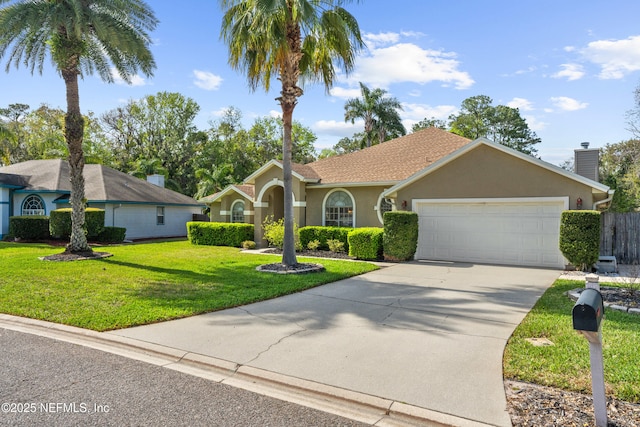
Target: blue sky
{"type": "Point", "coordinates": [570, 66]}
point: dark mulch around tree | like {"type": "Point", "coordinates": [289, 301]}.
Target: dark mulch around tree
{"type": "Point", "coordinates": [299, 268]}
{"type": "Point", "coordinates": [76, 256]}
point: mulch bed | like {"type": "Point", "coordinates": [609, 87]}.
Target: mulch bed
{"type": "Point", "coordinates": [317, 254]}
{"type": "Point", "coordinates": [534, 405]}
{"type": "Point", "coordinates": [76, 256]}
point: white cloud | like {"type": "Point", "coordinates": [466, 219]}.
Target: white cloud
{"type": "Point", "coordinates": [275, 114]}
{"type": "Point", "coordinates": [568, 104]}
{"type": "Point", "coordinates": [336, 128]}
{"type": "Point", "coordinates": [418, 112]}
{"type": "Point", "coordinates": [373, 40]}
{"type": "Point", "coordinates": [340, 92]}
{"type": "Point", "coordinates": [206, 80]}
{"type": "Point", "coordinates": [136, 80]}
{"type": "Point", "coordinates": [407, 62]}
{"type": "Point", "coordinates": [535, 124]}
{"type": "Point", "coordinates": [521, 104]}
{"type": "Point", "coordinates": [570, 72]}
{"type": "Point", "coordinates": [616, 58]}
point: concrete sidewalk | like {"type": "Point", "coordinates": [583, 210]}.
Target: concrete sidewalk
{"type": "Point", "coordinates": [425, 335]}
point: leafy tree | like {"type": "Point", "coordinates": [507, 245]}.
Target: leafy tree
{"type": "Point", "coordinates": [11, 131]}
{"type": "Point", "coordinates": [349, 145]}
{"type": "Point", "coordinates": [428, 123]}
{"type": "Point", "coordinates": [379, 112]}
{"type": "Point", "coordinates": [501, 124]}
{"type": "Point", "coordinates": [82, 37]}
{"type": "Point", "coordinates": [266, 133]}
{"type": "Point", "coordinates": [39, 134]}
{"type": "Point", "coordinates": [160, 128]}
{"type": "Point", "coordinates": [620, 170]}
{"type": "Point", "coordinates": [294, 39]}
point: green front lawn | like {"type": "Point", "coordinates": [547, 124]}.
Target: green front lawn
{"type": "Point", "coordinates": [145, 283]}
{"type": "Point", "coordinates": [566, 363]}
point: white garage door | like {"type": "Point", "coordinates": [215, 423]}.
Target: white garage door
{"type": "Point", "coordinates": [493, 231]}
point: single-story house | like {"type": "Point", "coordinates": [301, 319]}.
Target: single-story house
{"type": "Point", "coordinates": [477, 201]}
{"type": "Point", "coordinates": [145, 208]}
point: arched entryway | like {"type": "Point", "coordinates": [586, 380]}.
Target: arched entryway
{"type": "Point", "coordinates": [270, 204]}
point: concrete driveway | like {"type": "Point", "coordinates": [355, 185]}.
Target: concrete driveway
{"type": "Point", "coordinates": [427, 334]}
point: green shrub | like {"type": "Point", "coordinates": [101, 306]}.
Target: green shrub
{"type": "Point", "coordinates": [580, 237]}
{"type": "Point", "coordinates": [60, 223]}
{"type": "Point", "coordinates": [248, 244]}
{"type": "Point", "coordinates": [30, 227]}
{"type": "Point", "coordinates": [400, 238]}
{"type": "Point", "coordinates": [274, 233]}
{"type": "Point", "coordinates": [219, 233]}
{"type": "Point", "coordinates": [323, 234]}
{"type": "Point", "coordinates": [335, 245]}
{"type": "Point", "coordinates": [313, 245]}
{"type": "Point", "coordinates": [112, 235]}
{"type": "Point", "coordinates": [366, 243]}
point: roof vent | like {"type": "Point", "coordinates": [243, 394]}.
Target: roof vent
{"type": "Point", "coordinates": [584, 145]}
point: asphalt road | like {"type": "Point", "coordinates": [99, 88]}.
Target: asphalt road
{"type": "Point", "coordinates": [44, 382]}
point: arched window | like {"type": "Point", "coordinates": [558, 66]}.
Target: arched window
{"type": "Point", "coordinates": [338, 210]}
{"type": "Point", "coordinates": [33, 205]}
{"type": "Point", "coordinates": [384, 206]}
{"type": "Point", "coordinates": [237, 211]}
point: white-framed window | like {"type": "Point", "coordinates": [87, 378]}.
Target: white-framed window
{"type": "Point", "coordinates": [339, 209]}
{"type": "Point", "coordinates": [160, 215]}
{"type": "Point", "coordinates": [33, 205]}
{"type": "Point", "coordinates": [385, 206]}
{"type": "Point", "coordinates": [237, 211]}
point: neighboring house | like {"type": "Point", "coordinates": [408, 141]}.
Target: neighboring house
{"type": "Point", "coordinates": [145, 208]}
{"type": "Point", "coordinates": [477, 201]}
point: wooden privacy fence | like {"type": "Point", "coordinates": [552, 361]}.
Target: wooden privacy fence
{"type": "Point", "coordinates": [620, 236]}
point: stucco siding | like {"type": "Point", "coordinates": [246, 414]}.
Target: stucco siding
{"type": "Point", "coordinates": [365, 199]}
{"type": "Point", "coordinates": [489, 173]}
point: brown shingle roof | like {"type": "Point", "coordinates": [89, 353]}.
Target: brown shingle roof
{"type": "Point", "coordinates": [391, 161]}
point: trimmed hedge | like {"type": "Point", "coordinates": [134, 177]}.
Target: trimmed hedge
{"type": "Point", "coordinates": [29, 227]}
{"type": "Point", "coordinates": [322, 234]}
{"type": "Point", "coordinates": [219, 233]}
{"type": "Point", "coordinates": [580, 237]}
{"type": "Point", "coordinates": [400, 239]}
{"type": "Point", "coordinates": [112, 235]}
{"type": "Point", "coordinates": [366, 243]}
{"type": "Point", "coordinates": [60, 223]}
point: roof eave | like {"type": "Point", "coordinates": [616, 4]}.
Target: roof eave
{"type": "Point", "coordinates": [353, 184]}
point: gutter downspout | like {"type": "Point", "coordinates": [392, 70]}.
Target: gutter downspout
{"type": "Point", "coordinates": [607, 200]}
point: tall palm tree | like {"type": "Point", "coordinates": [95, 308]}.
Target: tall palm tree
{"type": "Point", "coordinates": [82, 37]}
{"type": "Point", "coordinates": [379, 112]}
{"type": "Point", "coordinates": [294, 40]}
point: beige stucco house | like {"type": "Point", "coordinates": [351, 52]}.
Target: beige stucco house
{"type": "Point", "coordinates": [477, 201]}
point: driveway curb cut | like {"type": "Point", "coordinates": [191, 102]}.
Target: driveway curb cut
{"type": "Point", "coordinates": [361, 407]}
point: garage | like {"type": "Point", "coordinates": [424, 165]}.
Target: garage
{"type": "Point", "coordinates": [513, 231]}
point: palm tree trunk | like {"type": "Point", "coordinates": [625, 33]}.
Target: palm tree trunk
{"type": "Point", "coordinates": [74, 131]}
{"type": "Point", "coordinates": [288, 248]}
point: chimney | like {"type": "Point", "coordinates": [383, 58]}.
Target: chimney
{"type": "Point", "coordinates": [587, 161]}
{"type": "Point", "coordinates": [156, 179]}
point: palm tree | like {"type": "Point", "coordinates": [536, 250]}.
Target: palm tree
{"type": "Point", "coordinates": [379, 112]}
{"type": "Point", "coordinates": [295, 40]}
{"type": "Point", "coordinates": [82, 37]}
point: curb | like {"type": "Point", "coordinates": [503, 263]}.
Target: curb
{"type": "Point", "coordinates": [375, 411]}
